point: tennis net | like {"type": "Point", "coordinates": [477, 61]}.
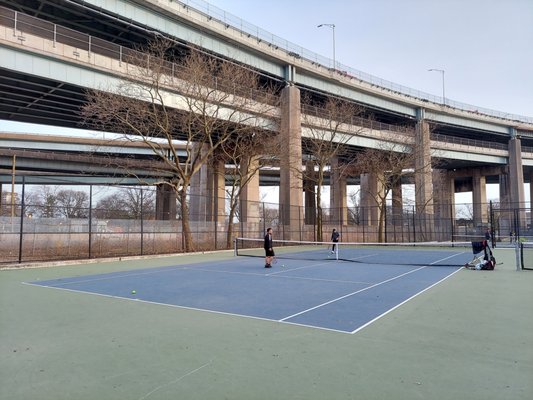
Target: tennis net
{"type": "Point", "coordinates": [525, 258]}
{"type": "Point", "coordinates": [419, 253]}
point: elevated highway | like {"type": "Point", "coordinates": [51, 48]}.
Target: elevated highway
{"type": "Point", "coordinates": [51, 52]}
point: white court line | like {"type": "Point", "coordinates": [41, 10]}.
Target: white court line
{"type": "Point", "coordinates": [114, 275]}
{"type": "Point", "coordinates": [403, 302]}
{"type": "Point", "coordinates": [263, 318]}
{"type": "Point", "coordinates": [364, 289]}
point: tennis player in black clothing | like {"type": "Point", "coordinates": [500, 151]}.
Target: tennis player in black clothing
{"type": "Point", "coordinates": [269, 248]}
{"type": "Point", "coordinates": [335, 239]}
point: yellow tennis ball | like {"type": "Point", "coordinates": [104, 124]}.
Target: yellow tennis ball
{"type": "Point", "coordinates": [133, 292]}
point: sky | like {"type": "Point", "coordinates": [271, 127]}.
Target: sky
{"type": "Point", "coordinates": [485, 47]}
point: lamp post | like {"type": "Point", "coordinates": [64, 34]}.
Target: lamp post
{"type": "Point", "coordinates": [443, 91]}
{"type": "Point", "coordinates": [332, 26]}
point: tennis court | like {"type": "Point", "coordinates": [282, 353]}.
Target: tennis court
{"type": "Point", "coordinates": [328, 293]}
{"type": "Point", "coordinates": [211, 326]}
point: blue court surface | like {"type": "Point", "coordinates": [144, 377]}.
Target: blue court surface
{"type": "Point", "coordinates": [342, 296]}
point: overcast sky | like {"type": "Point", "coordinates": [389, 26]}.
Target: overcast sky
{"type": "Point", "coordinates": [485, 47]}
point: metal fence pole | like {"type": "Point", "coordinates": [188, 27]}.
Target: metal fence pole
{"type": "Point", "coordinates": [21, 219]}
{"type": "Point", "coordinates": [142, 223]}
{"type": "Point", "coordinates": [90, 220]}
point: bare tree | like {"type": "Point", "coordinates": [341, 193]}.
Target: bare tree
{"type": "Point", "coordinates": [42, 201]}
{"type": "Point", "coordinates": [354, 212]}
{"type": "Point", "coordinates": [132, 203]}
{"type": "Point", "coordinates": [388, 164]}
{"type": "Point", "coordinates": [197, 105]}
{"type": "Point", "coordinates": [247, 153]}
{"type": "Point", "coordinates": [328, 128]}
{"type": "Point", "coordinates": [73, 203]}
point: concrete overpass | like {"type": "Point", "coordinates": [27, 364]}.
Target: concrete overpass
{"type": "Point", "coordinates": [50, 52]}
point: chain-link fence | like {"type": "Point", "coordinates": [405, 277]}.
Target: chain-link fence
{"type": "Point", "coordinates": [37, 232]}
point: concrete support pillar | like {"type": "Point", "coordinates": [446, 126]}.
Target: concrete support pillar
{"type": "Point", "coordinates": [505, 196]}
{"type": "Point", "coordinates": [505, 214]}
{"type": "Point", "coordinates": [309, 193]}
{"type": "Point", "coordinates": [423, 179]}
{"type": "Point", "coordinates": [531, 199]}
{"type": "Point", "coordinates": [423, 175]}
{"type": "Point", "coordinates": [516, 176]}
{"type": "Point", "coordinates": [479, 198]}
{"type": "Point", "coordinates": [165, 203]}
{"type": "Point", "coordinates": [290, 191]}
{"type": "Point", "coordinates": [199, 190]}
{"type": "Point", "coordinates": [516, 183]}
{"type": "Point", "coordinates": [218, 179]}
{"type": "Point", "coordinates": [443, 203]}
{"type": "Point", "coordinates": [337, 193]}
{"type": "Point", "coordinates": [250, 192]}
{"type": "Point", "coordinates": [370, 188]}
{"type": "Point", "coordinates": [397, 202]}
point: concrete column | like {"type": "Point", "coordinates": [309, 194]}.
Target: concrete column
{"type": "Point", "coordinates": [370, 188]}
{"type": "Point", "coordinates": [218, 209]}
{"type": "Point", "coordinates": [516, 181]}
{"type": "Point", "coordinates": [505, 214]}
{"type": "Point", "coordinates": [199, 191]}
{"type": "Point", "coordinates": [516, 176]}
{"type": "Point", "coordinates": [530, 199]}
{"type": "Point", "coordinates": [165, 203]}
{"type": "Point", "coordinates": [397, 202]}
{"type": "Point", "coordinates": [290, 191]}
{"type": "Point", "coordinates": [250, 193]}
{"type": "Point", "coordinates": [423, 175]}
{"type": "Point", "coordinates": [337, 193]}
{"type": "Point", "coordinates": [443, 203]}
{"type": "Point", "coordinates": [309, 193]}
{"type": "Point", "coordinates": [423, 179]}
{"type": "Point", "coordinates": [479, 198]}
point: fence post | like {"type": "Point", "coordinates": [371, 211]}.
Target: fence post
{"type": "Point", "coordinates": [414, 225]}
{"type": "Point", "coordinates": [90, 220]}
{"type": "Point", "coordinates": [491, 222]}
{"type": "Point", "coordinates": [452, 222]}
{"type": "Point", "coordinates": [142, 223]}
{"type": "Point", "coordinates": [21, 219]}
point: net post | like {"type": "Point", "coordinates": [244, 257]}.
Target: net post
{"type": "Point", "coordinates": [518, 255]}
{"type": "Point", "coordinates": [337, 252]}
{"type": "Point", "coordinates": [235, 247]}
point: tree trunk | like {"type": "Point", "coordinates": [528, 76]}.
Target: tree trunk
{"type": "Point", "coordinates": [185, 225]}
{"type": "Point", "coordinates": [229, 241]}
{"type": "Point", "coordinates": [318, 215]}
{"type": "Point", "coordinates": [381, 231]}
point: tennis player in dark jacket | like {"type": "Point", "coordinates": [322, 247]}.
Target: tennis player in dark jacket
{"type": "Point", "coordinates": [335, 239]}
{"type": "Point", "coordinates": [269, 248]}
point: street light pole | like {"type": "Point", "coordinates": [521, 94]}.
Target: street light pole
{"type": "Point", "coordinates": [443, 91]}
{"type": "Point", "coordinates": [332, 26]}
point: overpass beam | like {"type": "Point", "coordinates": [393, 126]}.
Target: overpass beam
{"type": "Point", "coordinates": [290, 191]}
